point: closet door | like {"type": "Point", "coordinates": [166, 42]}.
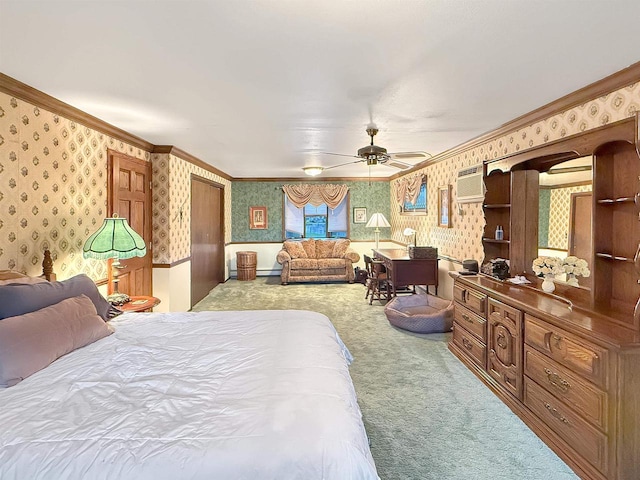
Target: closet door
{"type": "Point", "coordinates": [207, 237]}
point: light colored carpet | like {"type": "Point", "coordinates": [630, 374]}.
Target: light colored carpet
{"type": "Point", "coordinates": [427, 416]}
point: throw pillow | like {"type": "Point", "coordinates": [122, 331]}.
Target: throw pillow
{"type": "Point", "coordinates": [20, 299]}
{"type": "Point", "coordinates": [9, 274]}
{"type": "Point", "coordinates": [22, 280]}
{"type": "Point", "coordinates": [30, 342]}
{"type": "Point", "coordinates": [295, 249]}
{"type": "Point", "coordinates": [340, 247]}
{"type": "Point", "coordinates": [324, 248]}
{"type": "Point", "coordinates": [309, 246]}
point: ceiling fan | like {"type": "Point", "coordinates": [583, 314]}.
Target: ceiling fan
{"type": "Point", "coordinates": [372, 155]}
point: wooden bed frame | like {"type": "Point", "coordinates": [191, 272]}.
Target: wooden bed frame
{"type": "Point", "coordinates": [47, 267]}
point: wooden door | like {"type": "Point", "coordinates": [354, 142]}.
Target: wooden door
{"type": "Point", "coordinates": [207, 237]}
{"type": "Point", "coordinates": [129, 195]}
{"type": "Point", "coordinates": [580, 230]}
{"type": "Point", "coordinates": [504, 344]}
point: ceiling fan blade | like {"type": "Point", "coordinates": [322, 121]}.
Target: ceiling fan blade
{"type": "Point", "coordinates": [410, 155]}
{"type": "Point", "coordinates": [392, 162]}
{"type": "Point", "coordinates": [343, 164]}
{"type": "Point", "coordinates": [339, 154]}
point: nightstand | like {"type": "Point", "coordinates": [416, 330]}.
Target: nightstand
{"type": "Point", "coordinates": [139, 304]}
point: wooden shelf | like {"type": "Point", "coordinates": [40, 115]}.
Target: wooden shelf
{"type": "Point", "coordinates": [493, 240]}
{"type": "Point", "coordinates": [609, 256]}
{"type": "Point", "coordinates": [498, 205]}
{"type": "Point", "coordinates": [616, 201]}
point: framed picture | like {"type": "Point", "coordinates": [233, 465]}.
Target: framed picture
{"type": "Point", "coordinates": [444, 206]}
{"type": "Point", "coordinates": [420, 206]}
{"type": "Point", "coordinates": [360, 215]}
{"type": "Point", "coordinates": [258, 218]}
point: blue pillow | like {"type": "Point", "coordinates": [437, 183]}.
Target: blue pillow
{"type": "Point", "coordinates": [18, 299]}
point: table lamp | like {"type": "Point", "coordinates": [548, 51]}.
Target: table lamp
{"type": "Point", "coordinates": [115, 239]}
{"type": "Point", "coordinates": [377, 220]}
{"type": "Point", "coordinates": [407, 233]}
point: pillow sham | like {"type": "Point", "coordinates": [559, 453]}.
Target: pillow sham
{"type": "Point", "coordinates": [30, 280]}
{"type": "Point", "coordinates": [9, 274]}
{"type": "Point", "coordinates": [30, 342]}
{"type": "Point", "coordinates": [20, 299]}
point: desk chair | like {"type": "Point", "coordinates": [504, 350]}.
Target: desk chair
{"type": "Point", "coordinates": [377, 283]}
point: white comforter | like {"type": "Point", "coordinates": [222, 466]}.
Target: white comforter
{"type": "Point", "coordinates": [215, 395]}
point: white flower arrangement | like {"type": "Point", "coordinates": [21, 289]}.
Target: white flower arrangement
{"type": "Point", "coordinates": [573, 265]}
{"type": "Point", "coordinates": [548, 265]}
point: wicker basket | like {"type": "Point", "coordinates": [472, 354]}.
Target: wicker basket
{"type": "Point", "coordinates": [423, 252]}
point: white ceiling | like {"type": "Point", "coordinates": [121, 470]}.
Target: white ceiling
{"type": "Point", "coordinates": [256, 87]}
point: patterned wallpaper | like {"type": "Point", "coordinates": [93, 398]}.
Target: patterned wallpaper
{"type": "Point", "coordinates": [172, 206]}
{"type": "Point", "coordinates": [374, 197]}
{"type": "Point", "coordinates": [464, 239]}
{"type": "Point", "coordinates": [53, 188]}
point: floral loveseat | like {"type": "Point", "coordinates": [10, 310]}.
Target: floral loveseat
{"type": "Point", "coordinates": [313, 260]}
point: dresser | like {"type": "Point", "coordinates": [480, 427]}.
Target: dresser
{"type": "Point", "coordinates": [572, 375]}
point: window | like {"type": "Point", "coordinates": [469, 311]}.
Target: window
{"type": "Point", "coordinates": [316, 222]}
{"type": "Point", "coordinates": [420, 207]}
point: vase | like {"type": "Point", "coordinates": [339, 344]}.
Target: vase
{"type": "Point", "coordinates": [547, 284]}
{"type": "Point", "coordinates": [572, 280]}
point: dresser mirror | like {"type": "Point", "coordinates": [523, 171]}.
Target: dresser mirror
{"type": "Point", "coordinates": [564, 219]}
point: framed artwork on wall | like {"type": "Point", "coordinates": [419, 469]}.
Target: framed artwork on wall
{"type": "Point", "coordinates": [360, 215]}
{"type": "Point", "coordinates": [444, 206]}
{"type": "Point", "coordinates": [258, 218]}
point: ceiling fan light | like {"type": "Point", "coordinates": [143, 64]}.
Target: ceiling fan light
{"type": "Point", "coordinates": [313, 171]}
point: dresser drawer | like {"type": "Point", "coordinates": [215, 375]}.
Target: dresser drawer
{"type": "Point", "coordinates": [579, 435]}
{"type": "Point", "coordinates": [568, 350]}
{"type": "Point", "coordinates": [589, 401]}
{"type": "Point", "coordinates": [474, 349]}
{"type": "Point", "coordinates": [470, 298]}
{"type": "Point", "coordinates": [471, 322]}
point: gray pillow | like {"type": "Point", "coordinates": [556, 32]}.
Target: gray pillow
{"type": "Point", "coordinates": [32, 341]}
{"type": "Point", "coordinates": [20, 299]}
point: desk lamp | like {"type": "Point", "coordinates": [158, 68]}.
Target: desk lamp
{"type": "Point", "coordinates": [115, 239]}
{"type": "Point", "coordinates": [408, 232]}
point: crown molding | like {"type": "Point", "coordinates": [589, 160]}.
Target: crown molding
{"type": "Point", "coordinates": [172, 150]}
{"type": "Point", "coordinates": [312, 180]}
{"type": "Point", "coordinates": [609, 84]}
{"type": "Point", "coordinates": [24, 92]}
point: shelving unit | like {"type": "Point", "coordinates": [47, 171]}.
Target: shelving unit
{"type": "Point", "coordinates": [508, 192]}
{"type": "Point", "coordinates": [617, 232]}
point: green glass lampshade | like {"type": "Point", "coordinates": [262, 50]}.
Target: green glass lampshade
{"type": "Point", "coordinates": [114, 239]}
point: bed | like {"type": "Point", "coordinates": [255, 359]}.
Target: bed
{"type": "Point", "coordinates": [218, 395]}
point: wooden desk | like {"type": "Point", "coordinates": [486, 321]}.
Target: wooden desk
{"type": "Point", "coordinates": [404, 271]}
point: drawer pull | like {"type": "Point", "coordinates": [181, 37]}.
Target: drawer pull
{"type": "Point", "coordinates": [557, 339]}
{"type": "Point", "coordinates": [555, 380]}
{"type": "Point", "coordinates": [556, 413]}
{"type": "Point", "coordinates": [466, 317]}
{"type": "Point", "coordinates": [467, 344]}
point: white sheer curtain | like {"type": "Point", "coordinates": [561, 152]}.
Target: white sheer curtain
{"type": "Point", "coordinates": [293, 217]}
{"type": "Point", "coordinates": [337, 218]}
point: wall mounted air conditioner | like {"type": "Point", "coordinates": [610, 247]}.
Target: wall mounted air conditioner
{"type": "Point", "coordinates": [470, 186]}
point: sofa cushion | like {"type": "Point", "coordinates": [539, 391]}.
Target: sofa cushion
{"type": "Point", "coordinates": [331, 263]}
{"type": "Point", "coordinates": [340, 247]}
{"type": "Point", "coordinates": [324, 248]}
{"type": "Point", "coordinates": [304, 264]}
{"type": "Point", "coordinates": [295, 249]}
{"type": "Point", "coordinates": [309, 246]}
